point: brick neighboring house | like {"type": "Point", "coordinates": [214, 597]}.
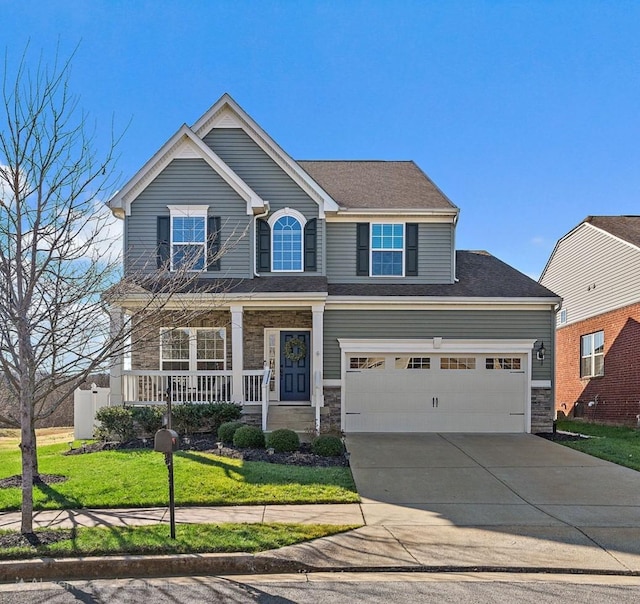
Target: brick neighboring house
{"type": "Point", "coordinates": [596, 269]}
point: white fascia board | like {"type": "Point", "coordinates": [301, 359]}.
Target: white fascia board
{"type": "Point", "coordinates": [436, 303]}
{"type": "Point", "coordinates": [183, 139]}
{"type": "Point", "coordinates": [436, 345]}
{"type": "Point", "coordinates": [414, 215]}
{"type": "Point", "coordinates": [203, 125]}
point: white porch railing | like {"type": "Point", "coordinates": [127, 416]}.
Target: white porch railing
{"type": "Point", "coordinates": [154, 387]}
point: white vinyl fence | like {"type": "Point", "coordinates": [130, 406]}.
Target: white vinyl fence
{"type": "Point", "coordinates": [85, 405]}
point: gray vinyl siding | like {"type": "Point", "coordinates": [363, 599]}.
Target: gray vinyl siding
{"type": "Point", "coordinates": [435, 255]}
{"type": "Point", "coordinates": [589, 257]}
{"type": "Point", "coordinates": [265, 177]}
{"type": "Point", "coordinates": [189, 182]}
{"type": "Point", "coordinates": [426, 324]}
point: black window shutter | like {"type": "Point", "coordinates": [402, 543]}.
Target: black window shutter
{"type": "Point", "coordinates": [263, 249]}
{"type": "Point", "coordinates": [362, 249]}
{"type": "Point", "coordinates": [213, 243]}
{"type": "Point", "coordinates": [310, 245]}
{"type": "Point", "coordinates": [164, 241]}
{"type": "Point", "coordinates": [411, 250]}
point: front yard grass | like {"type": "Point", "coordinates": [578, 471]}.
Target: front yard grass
{"type": "Point", "coordinates": [138, 478]}
{"type": "Point", "coordinates": [190, 538]}
{"type": "Point", "coordinates": [618, 444]}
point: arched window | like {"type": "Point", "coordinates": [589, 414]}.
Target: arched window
{"type": "Point", "coordinates": [286, 241]}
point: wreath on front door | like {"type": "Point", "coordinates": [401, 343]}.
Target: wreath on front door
{"type": "Point", "coordinates": [295, 349]}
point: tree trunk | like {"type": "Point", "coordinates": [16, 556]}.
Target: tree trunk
{"type": "Point", "coordinates": [27, 446]}
{"type": "Point", "coordinates": [34, 453]}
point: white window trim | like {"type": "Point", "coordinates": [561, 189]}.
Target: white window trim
{"type": "Point", "coordinates": [189, 211]}
{"type": "Point", "coordinates": [592, 355]}
{"type": "Point", "coordinates": [303, 221]}
{"type": "Point", "coordinates": [193, 346]}
{"type": "Point", "coordinates": [371, 250]}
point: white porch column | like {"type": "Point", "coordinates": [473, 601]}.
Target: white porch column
{"type": "Point", "coordinates": [117, 358]}
{"type": "Point", "coordinates": [317, 338]}
{"type": "Point", "coordinates": [237, 353]}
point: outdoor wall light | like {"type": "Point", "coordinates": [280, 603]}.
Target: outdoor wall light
{"type": "Point", "coordinates": [540, 351]}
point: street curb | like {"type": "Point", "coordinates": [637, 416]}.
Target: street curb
{"type": "Point", "coordinates": [120, 567]}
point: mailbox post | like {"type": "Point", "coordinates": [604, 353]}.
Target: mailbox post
{"type": "Point", "coordinates": [166, 441]}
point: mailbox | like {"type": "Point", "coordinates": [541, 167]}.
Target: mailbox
{"type": "Point", "coordinates": [166, 441]}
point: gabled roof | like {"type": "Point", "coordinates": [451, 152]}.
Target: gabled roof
{"type": "Point", "coordinates": [226, 113]}
{"type": "Point", "coordinates": [184, 143]}
{"type": "Point", "coordinates": [378, 185]}
{"type": "Point", "coordinates": [623, 227]}
{"type": "Point", "coordinates": [626, 228]}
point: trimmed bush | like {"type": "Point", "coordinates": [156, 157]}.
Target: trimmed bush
{"type": "Point", "coordinates": [283, 440]}
{"type": "Point", "coordinates": [327, 445]}
{"type": "Point", "coordinates": [116, 422]}
{"type": "Point", "coordinates": [148, 419]}
{"type": "Point", "coordinates": [186, 418]}
{"type": "Point", "coordinates": [249, 437]}
{"type": "Point", "coordinates": [216, 414]}
{"type": "Point", "coordinates": [227, 430]}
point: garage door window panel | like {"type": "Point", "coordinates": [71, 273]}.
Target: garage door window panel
{"type": "Point", "coordinates": [457, 363]}
{"type": "Point", "coordinates": [592, 355]}
{"type": "Point", "coordinates": [407, 362]}
{"type": "Point", "coordinates": [503, 363]}
{"type": "Point", "coordinates": [366, 363]}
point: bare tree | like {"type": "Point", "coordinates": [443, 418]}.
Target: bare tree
{"type": "Point", "coordinates": [58, 272]}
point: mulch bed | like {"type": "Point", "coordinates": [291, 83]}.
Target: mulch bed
{"type": "Point", "coordinates": [46, 537]}
{"type": "Point", "coordinates": [561, 437]}
{"type": "Point", "coordinates": [16, 481]}
{"type": "Point", "coordinates": [209, 443]}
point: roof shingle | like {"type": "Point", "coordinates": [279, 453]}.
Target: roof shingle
{"type": "Point", "coordinates": [623, 227]}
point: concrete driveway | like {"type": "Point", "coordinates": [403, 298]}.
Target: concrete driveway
{"type": "Point", "coordinates": [488, 480]}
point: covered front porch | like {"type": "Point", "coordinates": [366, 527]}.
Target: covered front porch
{"type": "Point", "coordinates": [268, 359]}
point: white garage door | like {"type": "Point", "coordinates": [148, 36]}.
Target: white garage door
{"type": "Point", "coordinates": [435, 393]}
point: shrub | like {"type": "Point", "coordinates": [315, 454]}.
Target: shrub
{"type": "Point", "coordinates": [115, 422]}
{"type": "Point", "coordinates": [283, 440]}
{"type": "Point", "coordinates": [148, 419]}
{"type": "Point", "coordinates": [216, 414]}
{"type": "Point", "coordinates": [327, 445]}
{"type": "Point", "coordinates": [249, 437]}
{"type": "Point", "coordinates": [227, 430]}
{"type": "Point", "coordinates": [186, 417]}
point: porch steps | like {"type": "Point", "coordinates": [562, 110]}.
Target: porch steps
{"type": "Point", "coordinates": [300, 419]}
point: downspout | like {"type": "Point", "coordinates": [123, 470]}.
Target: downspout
{"type": "Point", "coordinates": [255, 236]}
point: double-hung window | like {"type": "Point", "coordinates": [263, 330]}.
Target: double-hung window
{"type": "Point", "coordinates": [592, 354]}
{"type": "Point", "coordinates": [188, 237]}
{"type": "Point", "coordinates": [387, 249]}
{"type": "Point", "coordinates": [193, 349]}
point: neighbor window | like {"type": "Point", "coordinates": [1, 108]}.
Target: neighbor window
{"type": "Point", "coordinates": [387, 249]}
{"type": "Point", "coordinates": [193, 349]}
{"type": "Point", "coordinates": [562, 318]}
{"type": "Point", "coordinates": [188, 237]}
{"type": "Point", "coordinates": [592, 354]}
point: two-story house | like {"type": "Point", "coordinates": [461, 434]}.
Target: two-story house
{"type": "Point", "coordinates": [596, 269]}
{"type": "Point", "coordinates": [344, 283]}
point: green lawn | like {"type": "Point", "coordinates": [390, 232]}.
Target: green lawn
{"type": "Point", "coordinates": [620, 445]}
{"type": "Point", "coordinates": [139, 479]}
{"type": "Point", "coordinates": [190, 538]}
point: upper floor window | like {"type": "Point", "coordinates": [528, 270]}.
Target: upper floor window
{"type": "Point", "coordinates": [592, 354]}
{"type": "Point", "coordinates": [387, 249]}
{"type": "Point", "coordinates": [188, 237]}
{"type": "Point", "coordinates": [287, 227]}
{"type": "Point", "coordinates": [562, 318]}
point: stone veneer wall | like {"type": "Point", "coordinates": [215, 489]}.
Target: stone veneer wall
{"type": "Point", "coordinates": [541, 410]}
{"type": "Point", "coordinates": [256, 321]}
{"type": "Point", "coordinates": [330, 414]}
{"type": "Point", "coordinates": [145, 352]}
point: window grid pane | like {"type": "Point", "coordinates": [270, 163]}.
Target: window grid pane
{"type": "Point", "coordinates": [457, 363]}
{"type": "Point", "coordinates": [287, 244]}
{"type": "Point", "coordinates": [592, 355]}
{"type": "Point", "coordinates": [188, 236]}
{"type": "Point", "coordinates": [387, 249]}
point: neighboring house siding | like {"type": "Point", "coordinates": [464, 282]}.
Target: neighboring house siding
{"type": "Point", "coordinates": [265, 177]}
{"type": "Point", "coordinates": [587, 258]}
{"type": "Point", "coordinates": [435, 242]}
{"type": "Point", "coordinates": [616, 394]}
{"type": "Point", "coordinates": [463, 324]}
{"type": "Point", "coordinates": [189, 182]}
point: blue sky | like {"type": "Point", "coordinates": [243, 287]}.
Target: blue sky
{"type": "Point", "coordinates": [525, 113]}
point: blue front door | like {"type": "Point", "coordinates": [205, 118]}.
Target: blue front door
{"type": "Point", "coordinates": [295, 355]}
